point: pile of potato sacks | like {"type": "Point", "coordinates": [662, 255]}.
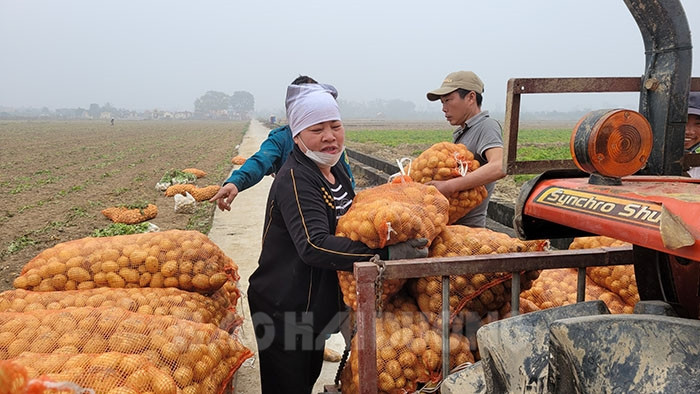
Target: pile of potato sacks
{"type": "Point", "coordinates": [137, 313]}
{"type": "Point", "coordinates": [408, 329]}
{"type": "Point", "coordinates": [409, 322]}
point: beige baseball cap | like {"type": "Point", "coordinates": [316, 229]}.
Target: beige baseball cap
{"type": "Point", "coordinates": [457, 80]}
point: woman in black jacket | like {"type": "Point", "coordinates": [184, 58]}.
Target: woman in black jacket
{"type": "Point", "coordinates": [294, 297]}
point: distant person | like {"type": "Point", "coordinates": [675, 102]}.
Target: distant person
{"type": "Point", "coordinates": [461, 97]}
{"type": "Point", "coordinates": [112, 122]}
{"type": "Point", "coordinates": [267, 160]}
{"type": "Point", "coordinates": [692, 130]}
{"type": "Point", "coordinates": [294, 297]}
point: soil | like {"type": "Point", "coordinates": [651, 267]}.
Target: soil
{"type": "Point", "coordinates": [56, 177]}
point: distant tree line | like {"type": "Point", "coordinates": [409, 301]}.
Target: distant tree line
{"type": "Point", "coordinates": [218, 105]}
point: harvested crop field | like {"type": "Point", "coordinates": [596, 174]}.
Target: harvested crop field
{"type": "Point", "coordinates": [56, 177]}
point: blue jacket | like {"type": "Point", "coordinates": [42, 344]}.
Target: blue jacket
{"type": "Point", "coordinates": [269, 159]}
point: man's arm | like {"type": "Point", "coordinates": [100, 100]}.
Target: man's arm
{"type": "Point", "coordinates": [489, 172]}
{"type": "Point", "coordinates": [267, 160]}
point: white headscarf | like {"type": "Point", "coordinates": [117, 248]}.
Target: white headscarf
{"type": "Point", "coordinates": [310, 104]}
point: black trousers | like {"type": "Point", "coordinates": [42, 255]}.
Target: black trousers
{"type": "Point", "coordinates": [290, 357]}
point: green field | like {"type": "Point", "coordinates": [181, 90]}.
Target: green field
{"type": "Point", "coordinates": [533, 144]}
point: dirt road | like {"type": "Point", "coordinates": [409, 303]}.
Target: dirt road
{"type": "Point", "coordinates": [238, 233]}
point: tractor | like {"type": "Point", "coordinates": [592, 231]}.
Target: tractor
{"type": "Point", "coordinates": [624, 181]}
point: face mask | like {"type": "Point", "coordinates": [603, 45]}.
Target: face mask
{"type": "Point", "coordinates": [324, 159]}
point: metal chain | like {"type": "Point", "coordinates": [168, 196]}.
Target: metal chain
{"type": "Point", "coordinates": [378, 282]}
{"type": "Point", "coordinates": [344, 358]}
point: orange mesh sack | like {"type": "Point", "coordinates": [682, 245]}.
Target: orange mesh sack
{"type": "Point", "coordinates": [620, 279]}
{"type": "Point", "coordinates": [179, 188]}
{"type": "Point", "coordinates": [187, 260]}
{"type": "Point", "coordinates": [349, 288]}
{"type": "Point", "coordinates": [444, 161]}
{"type": "Point", "coordinates": [595, 242]}
{"type": "Point", "coordinates": [14, 380]}
{"type": "Point", "coordinates": [471, 295]}
{"type": "Point", "coordinates": [199, 193]}
{"type": "Point", "coordinates": [409, 351]}
{"type": "Point", "coordinates": [218, 309]}
{"type": "Point", "coordinates": [557, 287]}
{"type": "Point", "coordinates": [13, 377]}
{"type": "Point", "coordinates": [205, 193]}
{"type": "Point", "coordinates": [394, 212]}
{"type": "Point", "coordinates": [126, 215]}
{"type": "Point", "coordinates": [196, 172]}
{"type": "Point", "coordinates": [200, 357]}
{"type": "Point", "coordinates": [238, 160]}
{"type": "Point", "coordinates": [109, 372]}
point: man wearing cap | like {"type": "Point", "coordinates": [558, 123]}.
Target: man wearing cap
{"type": "Point", "coordinates": [461, 97]}
{"type": "Point", "coordinates": [692, 130]}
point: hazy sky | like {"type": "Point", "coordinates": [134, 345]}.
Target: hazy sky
{"type": "Point", "coordinates": [165, 54]}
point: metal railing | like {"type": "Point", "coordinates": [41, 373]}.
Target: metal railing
{"type": "Point", "coordinates": [366, 275]}
{"type": "Point", "coordinates": [520, 86]}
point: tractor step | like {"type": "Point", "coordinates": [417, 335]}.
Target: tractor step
{"type": "Point", "coordinates": [624, 354]}
{"type": "Point", "coordinates": [582, 348]}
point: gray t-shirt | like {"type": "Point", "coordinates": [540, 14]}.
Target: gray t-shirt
{"type": "Point", "coordinates": [480, 134]}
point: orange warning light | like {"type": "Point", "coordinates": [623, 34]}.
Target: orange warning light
{"type": "Point", "coordinates": [611, 142]}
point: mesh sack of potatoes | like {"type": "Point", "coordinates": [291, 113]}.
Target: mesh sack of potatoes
{"type": "Point", "coordinates": [128, 215]}
{"type": "Point", "coordinates": [205, 193]}
{"type": "Point", "coordinates": [179, 189]}
{"type": "Point", "coordinates": [218, 309]}
{"type": "Point", "coordinates": [109, 372]}
{"type": "Point", "coordinates": [557, 287]}
{"type": "Point", "coordinates": [196, 172]}
{"type": "Point", "coordinates": [386, 215]}
{"type": "Point", "coordinates": [238, 160]}
{"type": "Point", "coordinates": [199, 193]}
{"type": "Point", "coordinates": [348, 287]}
{"type": "Point", "coordinates": [620, 279]}
{"type": "Point", "coordinates": [394, 212]}
{"type": "Point", "coordinates": [187, 260]}
{"type": "Point", "coordinates": [595, 242]}
{"type": "Point", "coordinates": [13, 377]}
{"type": "Point", "coordinates": [14, 380]}
{"type": "Point", "coordinates": [471, 295]}
{"type": "Point", "coordinates": [409, 350]}
{"type": "Point", "coordinates": [200, 357]}
{"type": "Point", "coordinates": [443, 161]}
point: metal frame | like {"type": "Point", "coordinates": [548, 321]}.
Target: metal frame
{"type": "Point", "coordinates": [519, 86]}
{"type": "Point", "coordinates": [366, 273]}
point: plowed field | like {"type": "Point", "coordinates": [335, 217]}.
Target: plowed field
{"type": "Point", "coordinates": [56, 177]}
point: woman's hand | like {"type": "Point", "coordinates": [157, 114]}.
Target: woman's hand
{"type": "Point", "coordinates": [224, 197]}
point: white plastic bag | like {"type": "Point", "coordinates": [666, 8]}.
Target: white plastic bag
{"type": "Point", "coordinates": [185, 203]}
